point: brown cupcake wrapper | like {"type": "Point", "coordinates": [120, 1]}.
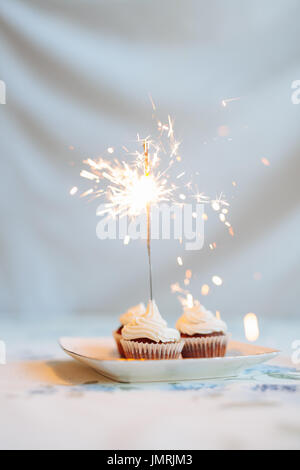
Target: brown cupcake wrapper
{"type": "Point", "coordinates": [118, 338]}
{"type": "Point", "coordinates": [152, 351]}
{"type": "Point", "coordinates": [213, 346]}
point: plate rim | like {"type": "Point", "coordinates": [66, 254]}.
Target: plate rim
{"type": "Point", "coordinates": [269, 353]}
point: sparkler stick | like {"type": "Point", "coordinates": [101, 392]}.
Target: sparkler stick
{"type": "Point", "coordinates": [147, 173]}
{"type": "Point", "coordinates": [149, 248]}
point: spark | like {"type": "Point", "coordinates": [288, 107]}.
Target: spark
{"type": "Point", "coordinates": [190, 301]}
{"type": "Point", "coordinates": [88, 175]}
{"type": "Point", "coordinates": [201, 198]}
{"type": "Point", "coordinates": [205, 289]}
{"type": "Point", "coordinates": [74, 191]}
{"type": "Point", "coordinates": [219, 203]}
{"type": "Point", "coordinates": [171, 130]}
{"type": "Point", "coordinates": [91, 163]}
{"type": "Point", "coordinates": [110, 150]}
{"type": "Point", "coordinates": [216, 206]}
{"type": "Point", "coordinates": [265, 162]}
{"type": "Point", "coordinates": [229, 100]}
{"type": "Point", "coordinates": [152, 102]}
{"type": "Point", "coordinates": [127, 240]}
{"type": "Point", "coordinates": [218, 315]}
{"type": "Point", "coordinates": [188, 274]}
{"type": "Point", "coordinates": [217, 280]}
{"type": "Point", "coordinates": [180, 261]}
{"type": "Point", "coordinates": [175, 288]}
{"type": "Point", "coordinates": [87, 193]}
{"type": "Point", "coordinates": [251, 327]}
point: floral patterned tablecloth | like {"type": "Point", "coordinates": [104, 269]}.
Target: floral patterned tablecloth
{"type": "Point", "coordinates": [49, 401]}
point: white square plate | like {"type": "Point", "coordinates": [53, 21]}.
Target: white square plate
{"type": "Point", "coordinates": [101, 354]}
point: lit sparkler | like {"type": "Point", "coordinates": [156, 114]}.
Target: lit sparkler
{"type": "Point", "coordinates": [131, 189]}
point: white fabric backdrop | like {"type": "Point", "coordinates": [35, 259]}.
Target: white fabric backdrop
{"type": "Point", "coordinates": [78, 73]}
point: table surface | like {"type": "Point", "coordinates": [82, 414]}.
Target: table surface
{"type": "Point", "coordinates": [49, 401]}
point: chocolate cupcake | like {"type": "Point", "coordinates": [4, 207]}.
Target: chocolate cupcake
{"type": "Point", "coordinates": [204, 335]}
{"type": "Point", "coordinates": [126, 318]}
{"type": "Point", "coordinates": [148, 337]}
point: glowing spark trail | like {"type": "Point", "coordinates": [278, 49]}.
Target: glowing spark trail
{"type": "Point", "coordinates": [229, 100]}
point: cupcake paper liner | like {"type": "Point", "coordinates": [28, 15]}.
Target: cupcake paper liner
{"type": "Point", "coordinates": [153, 351]}
{"type": "Point", "coordinates": [212, 346]}
{"type": "Point", "coordinates": [118, 338]}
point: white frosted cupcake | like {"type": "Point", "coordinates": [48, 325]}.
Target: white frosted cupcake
{"type": "Point", "coordinates": [148, 337]}
{"type": "Point", "coordinates": [126, 318]}
{"type": "Point", "coordinates": [203, 333]}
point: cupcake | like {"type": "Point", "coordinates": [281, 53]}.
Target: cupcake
{"type": "Point", "coordinates": [203, 333]}
{"type": "Point", "coordinates": [147, 336]}
{"type": "Point", "coordinates": [127, 317]}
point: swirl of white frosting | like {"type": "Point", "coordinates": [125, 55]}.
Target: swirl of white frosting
{"type": "Point", "coordinates": [131, 313]}
{"type": "Point", "coordinates": [198, 320]}
{"type": "Point", "coordinates": [150, 325]}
